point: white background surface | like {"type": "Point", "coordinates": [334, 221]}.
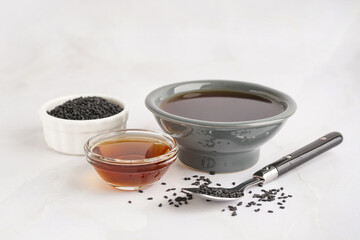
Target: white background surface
{"type": "Point", "coordinates": [308, 49]}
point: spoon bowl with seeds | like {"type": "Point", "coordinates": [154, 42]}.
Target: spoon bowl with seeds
{"type": "Point", "coordinates": [220, 193]}
{"type": "Point", "coordinates": [269, 172]}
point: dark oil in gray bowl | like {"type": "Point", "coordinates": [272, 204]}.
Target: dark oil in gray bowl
{"type": "Point", "coordinates": [222, 106]}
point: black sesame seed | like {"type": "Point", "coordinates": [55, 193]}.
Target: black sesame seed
{"type": "Point", "coordinates": [179, 199]}
{"type": "Point", "coordinates": [232, 208]}
{"type": "Point", "coordinates": [129, 201]}
{"type": "Point", "coordinates": [149, 198]}
{"type": "Point", "coordinates": [166, 197]}
{"type": "Point", "coordinates": [141, 191]}
{"type": "Point", "coordinates": [196, 183]}
{"type": "Point", "coordinates": [234, 214]}
{"type": "Point", "coordinates": [223, 210]}
{"type": "Point", "coordinates": [282, 207]}
{"type": "Point", "coordinates": [163, 183]}
{"type": "Point", "coordinates": [233, 183]}
{"type": "Point", "coordinates": [160, 205]}
{"type": "Point", "coordinates": [270, 211]}
{"type": "Point", "coordinates": [212, 173]}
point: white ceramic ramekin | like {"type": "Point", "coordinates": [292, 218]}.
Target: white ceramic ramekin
{"type": "Point", "coordinates": [69, 136]}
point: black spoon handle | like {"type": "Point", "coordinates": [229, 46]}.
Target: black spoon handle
{"type": "Point", "coordinates": [300, 156]}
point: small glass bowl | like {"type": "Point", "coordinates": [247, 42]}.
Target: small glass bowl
{"type": "Point", "coordinates": [131, 159]}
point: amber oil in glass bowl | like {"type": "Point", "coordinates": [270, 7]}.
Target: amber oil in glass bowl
{"type": "Point", "coordinates": [131, 159]}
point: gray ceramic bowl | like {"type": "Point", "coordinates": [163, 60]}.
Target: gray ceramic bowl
{"type": "Point", "coordinates": [219, 146]}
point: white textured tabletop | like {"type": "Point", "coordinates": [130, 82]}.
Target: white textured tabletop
{"type": "Point", "coordinates": [308, 49]}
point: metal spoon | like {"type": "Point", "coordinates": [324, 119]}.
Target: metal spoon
{"type": "Point", "coordinates": [273, 170]}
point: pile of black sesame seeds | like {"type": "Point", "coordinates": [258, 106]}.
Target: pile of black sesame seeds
{"type": "Point", "coordinates": [220, 192]}
{"type": "Point", "coordinates": [86, 108]}
{"type": "Point", "coordinates": [264, 199]}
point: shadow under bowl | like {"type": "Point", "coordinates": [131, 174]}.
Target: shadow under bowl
{"type": "Point", "coordinates": [219, 146]}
